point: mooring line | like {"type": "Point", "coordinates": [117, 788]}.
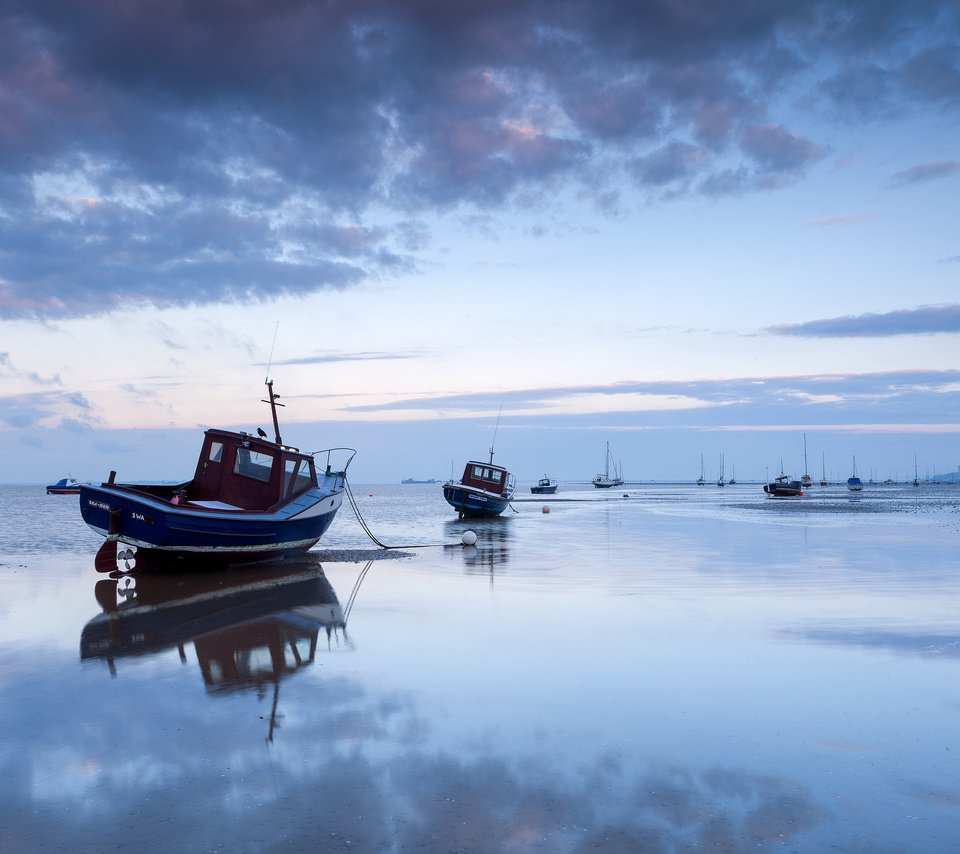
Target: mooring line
{"type": "Point", "coordinates": [372, 536]}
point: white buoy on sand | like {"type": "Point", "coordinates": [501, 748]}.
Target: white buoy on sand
{"type": "Point", "coordinates": [469, 538]}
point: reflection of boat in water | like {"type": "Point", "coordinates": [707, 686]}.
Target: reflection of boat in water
{"type": "Point", "coordinates": [491, 551]}
{"type": "Point", "coordinates": [249, 498]}
{"type": "Point", "coordinates": [250, 626]}
{"type": "Point", "coordinates": [545, 486]}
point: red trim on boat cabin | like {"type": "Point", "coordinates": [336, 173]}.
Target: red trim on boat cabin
{"type": "Point", "coordinates": [485, 476]}
{"type": "Point", "coordinates": [248, 472]}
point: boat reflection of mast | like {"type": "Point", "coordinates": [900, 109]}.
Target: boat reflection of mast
{"type": "Point", "coordinates": [249, 629]}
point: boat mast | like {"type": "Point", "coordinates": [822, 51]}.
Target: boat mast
{"type": "Point", "coordinates": [273, 397]}
{"type": "Point", "coordinates": [273, 410]}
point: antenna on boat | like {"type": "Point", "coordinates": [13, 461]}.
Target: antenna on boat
{"type": "Point", "coordinates": [273, 397]}
{"type": "Point", "coordinates": [270, 360]}
{"type": "Point", "coordinates": [494, 442]}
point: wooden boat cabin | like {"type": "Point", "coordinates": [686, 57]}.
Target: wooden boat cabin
{"type": "Point", "coordinates": [485, 476]}
{"type": "Point", "coordinates": [237, 471]}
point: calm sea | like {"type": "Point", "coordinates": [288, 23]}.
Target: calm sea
{"type": "Point", "coordinates": [654, 668]}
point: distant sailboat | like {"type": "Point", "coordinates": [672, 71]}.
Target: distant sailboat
{"type": "Point", "coordinates": [916, 480]}
{"type": "Point", "coordinates": [604, 480]}
{"type": "Point", "coordinates": [733, 476]}
{"type": "Point", "coordinates": [823, 470]}
{"type": "Point", "coordinates": [721, 481]}
{"type": "Point", "coordinates": [805, 480]}
{"type": "Point", "coordinates": [701, 480]}
{"type": "Point", "coordinates": [854, 484]}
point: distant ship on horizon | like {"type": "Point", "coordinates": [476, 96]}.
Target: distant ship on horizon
{"type": "Point", "coordinates": [414, 480]}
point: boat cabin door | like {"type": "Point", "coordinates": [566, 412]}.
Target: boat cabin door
{"type": "Point", "coordinates": [209, 474]}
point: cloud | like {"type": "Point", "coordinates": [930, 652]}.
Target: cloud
{"type": "Point", "coordinates": [924, 172]}
{"type": "Point", "coordinates": [838, 401]}
{"type": "Point", "coordinates": [328, 358]}
{"type": "Point", "coordinates": [926, 320]}
{"type": "Point", "coordinates": [9, 369]}
{"type": "Point", "coordinates": [201, 153]}
{"type": "Point", "coordinates": [47, 410]}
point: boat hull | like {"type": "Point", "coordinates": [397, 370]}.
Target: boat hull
{"type": "Point", "coordinates": [150, 522]}
{"type": "Point", "coordinates": [777, 490]}
{"type": "Point", "coordinates": [544, 490]}
{"type": "Point", "coordinates": [474, 503]}
{"type": "Point", "coordinates": [64, 486]}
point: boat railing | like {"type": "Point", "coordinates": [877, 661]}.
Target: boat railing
{"type": "Point", "coordinates": [328, 464]}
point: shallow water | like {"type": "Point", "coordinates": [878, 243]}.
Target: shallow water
{"type": "Point", "coordinates": [676, 669]}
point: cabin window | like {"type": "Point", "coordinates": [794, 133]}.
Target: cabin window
{"type": "Point", "coordinates": [256, 661]}
{"type": "Point", "coordinates": [296, 476]}
{"type": "Point", "coordinates": [216, 452]}
{"type": "Point", "coordinates": [296, 652]}
{"type": "Point", "coordinates": [478, 471]}
{"type": "Point", "coordinates": [253, 464]}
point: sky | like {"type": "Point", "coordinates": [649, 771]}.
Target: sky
{"type": "Point", "coordinates": [683, 227]}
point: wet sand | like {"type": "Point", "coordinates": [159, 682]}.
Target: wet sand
{"type": "Point", "coordinates": [677, 670]}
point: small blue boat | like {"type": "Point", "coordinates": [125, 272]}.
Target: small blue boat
{"type": "Point", "coordinates": [854, 484]}
{"type": "Point", "coordinates": [64, 486]}
{"type": "Point", "coordinates": [545, 486]}
{"type": "Point", "coordinates": [249, 498]}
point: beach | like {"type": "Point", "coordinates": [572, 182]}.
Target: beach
{"type": "Point", "coordinates": [652, 668]}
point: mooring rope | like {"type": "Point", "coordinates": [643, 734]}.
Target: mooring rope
{"type": "Point", "coordinates": [371, 535]}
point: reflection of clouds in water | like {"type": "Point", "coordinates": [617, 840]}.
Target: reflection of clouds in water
{"type": "Point", "coordinates": [934, 794]}
{"type": "Point", "coordinates": [926, 644]}
{"type": "Point", "coordinates": [354, 771]}
{"type": "Point", "coordinates": [487, 807]}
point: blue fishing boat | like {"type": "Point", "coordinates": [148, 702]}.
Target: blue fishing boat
{"type": "Point", "coordinates": [484, 489]}
{"type": "Point", "coordinates": [249, 498]}
{"type": "Point", "coordinates": [545, 486]}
